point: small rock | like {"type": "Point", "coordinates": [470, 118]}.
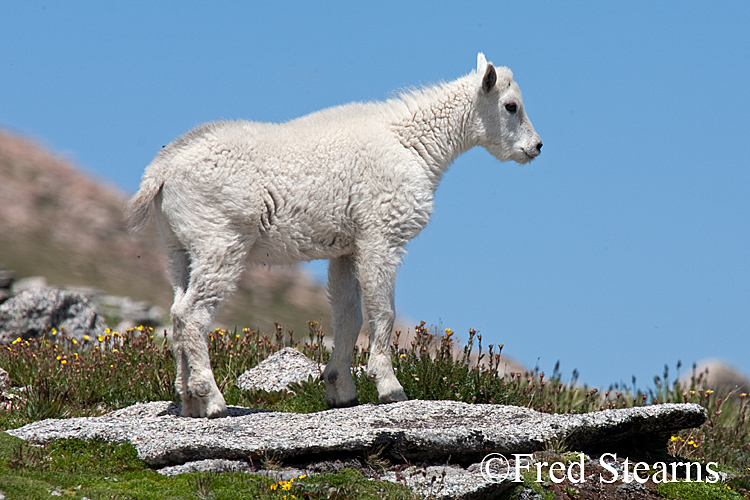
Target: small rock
{"type": "Point", "coordinates": [130, 313]}
{"type": "Point", "coordinates": [4, 379]}
{"type": "Point", "coordinates": [719, 376]}
{"type": "Point", "coordinates": [31, 283]}
{"type": "Point", "coordinates": [34, 313]}
{"type": "Point", "coordinates": [279, 370]}
{"type": "Point", "coordinates": [447, 481]}
{"type": "Point", "coordinates": [209, 465]}
{"type": "Point", "coordinates": [284, 474]}
{"type": "Point", "coordinates": [6, 281]}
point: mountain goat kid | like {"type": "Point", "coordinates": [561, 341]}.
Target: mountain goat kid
{"type": "Point", "coordinates": [352, 184]}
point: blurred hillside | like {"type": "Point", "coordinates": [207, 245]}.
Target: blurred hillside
{"type": "Point", "coordinates": [59, 223]}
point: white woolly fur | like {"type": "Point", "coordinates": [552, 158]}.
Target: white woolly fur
{"type": "Point", "coordinates": [352, 184]}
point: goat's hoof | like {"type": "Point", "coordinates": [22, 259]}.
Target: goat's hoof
{"type": "Point", "coordinates": [393, 397]}
{"type": "Point", "coordinates": [190, 407]}
{"type": "Point", "coordinates": [216, 410]}
{"type": "Point", "coordinates": [342, 404]}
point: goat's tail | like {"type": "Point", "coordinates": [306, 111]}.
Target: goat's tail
{"type": "Point", "coordinates": [140, 207]}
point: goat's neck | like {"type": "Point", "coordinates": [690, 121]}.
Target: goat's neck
{"type": "Point", "coordinates": [436, 127]}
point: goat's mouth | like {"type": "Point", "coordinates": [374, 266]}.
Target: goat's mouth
{"type": "Point", "coordinates": [522, 156]}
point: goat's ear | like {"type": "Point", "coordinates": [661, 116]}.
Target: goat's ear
{"type": "Point", "coordinates": [481, 63]}
{"type": "Point", "coordinates": [490, 78]}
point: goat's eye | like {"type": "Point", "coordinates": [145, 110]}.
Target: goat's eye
{"type": "Point", "coordinates": [511, 107]}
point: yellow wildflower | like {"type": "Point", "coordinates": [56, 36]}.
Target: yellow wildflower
{"type": "Point", "coordinates": [114, 350]}
{"type": "Point", "coordinates": [16, 341]}
{"type": "Point", "coordinates": [54, 331]}
{"type": "Point", "coordinates": [63, 361]}
{"type": "Point", "coordinates": [448, 332]}
{"type": "Point", "coordinates": [74, 341]}
{"type": "Point", "coordinates": [100, 338]}
{"type": "Point", "coordinates": [106, 330]}
{"type": "Point", "coordinates": [85, 337]}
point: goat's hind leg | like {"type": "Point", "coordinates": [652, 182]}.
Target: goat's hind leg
{"type": "Point", "coordinates": [178, 272]}
{"type": "Point", "coordinates": [346, 312]}
{"type": "Point", "coordinates": [213, 276]}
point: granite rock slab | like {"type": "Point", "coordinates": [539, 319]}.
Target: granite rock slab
{"type": "Point", "coordinates": [414, 430]}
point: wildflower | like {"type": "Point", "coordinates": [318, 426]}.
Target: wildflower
{"type": "Point", "coordinates": [402, 356]}
{"type": "Point", "coordinates": [448, 332]}
{"type": "Point", "coordinates": [74, 341]}
{"type": "Point", "coordinates": [100, 338]}
{"type": "Point", "coordinates": [75, 354]}
{"type": "Point", "coordinates": [673, 438]}
{"type": "Point", "coordinates": [54, 331]}
{"type": "Point", "coordinates": [106, 330]}
{"type": "Point", "coordinates": [59, 358]}
{"type": "Point", "coordinates": [709, 392]}
{"type": "Point", "coordinates": [114, 350]}
{"type": "Point", "coordinates": [85, 337]}
{"type": "Point", "coordinates": [16, 341]}
{"type": "Point", "coordinates": [64, 361]}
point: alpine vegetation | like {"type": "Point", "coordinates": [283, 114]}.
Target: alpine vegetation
{"type": "Point", "coordinates": [352, 184]}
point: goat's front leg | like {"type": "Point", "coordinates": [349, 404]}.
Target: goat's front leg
{"type": "Point", "coordinates": [377, 277]}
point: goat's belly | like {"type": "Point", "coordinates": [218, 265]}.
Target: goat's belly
{"type": "Point", "coordinates": [289, 247]}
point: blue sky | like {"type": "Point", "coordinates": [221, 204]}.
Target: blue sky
{"type": "Point", "coordinates": [623, 247]}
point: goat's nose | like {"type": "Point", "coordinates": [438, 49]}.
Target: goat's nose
{"type": "Point", "coordinates": [539, 146]}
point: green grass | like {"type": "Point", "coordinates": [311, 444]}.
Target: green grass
{"type": "Point", "coordinates": [698, 491]}
{"type": "Point", "coordinates": [98, 469]}
{"type": "Point", "coordinates": [57, 377]}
